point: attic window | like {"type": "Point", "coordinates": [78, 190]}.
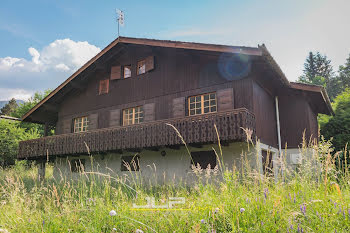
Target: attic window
{"type": "Point", "coordinates": [141, 67]}
{"type": "Point", "coordinates": [130, 163]}
{"type": "Point", "coordinates": [204, 159]}
{"type": "Point", "coordinates": [104, 87]}
{"type": "Point", "coordinates": [127, 71]}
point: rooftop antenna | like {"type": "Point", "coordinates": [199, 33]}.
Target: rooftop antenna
{"type": "Point", "coordinates": [120, 18]}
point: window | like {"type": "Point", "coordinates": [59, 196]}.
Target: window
{"type": "Point", "coordinates": [77, 165]}
{"type": "Point", "coordinates": [127, 71]}
{"type": "Point", "coordinates": [104, 86]}
{"type": "Point", "coordinates": [80, 124]}
{"type": "Point", "coordinates": [201, 104]}
{"type": "Point", "coordinates": [130, 163]}
{"type": "Point", "coordinates": [133, 115]}
{"type": "Point", "coordinates": [141, 67]}
{"type": "Point", "coordinates": [204, 158]}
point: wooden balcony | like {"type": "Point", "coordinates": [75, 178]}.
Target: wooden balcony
{"type": "Point", "coordinates": [194, 129]}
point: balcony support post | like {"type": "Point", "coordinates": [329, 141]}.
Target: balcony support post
{"type": "Point", "coordinates": [41, 170]}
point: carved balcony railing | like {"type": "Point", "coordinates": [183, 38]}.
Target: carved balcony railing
{"type": "Point", "coordinates": [193, 129]}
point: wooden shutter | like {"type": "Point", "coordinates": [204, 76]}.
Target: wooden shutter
{"type": "Point", "coordinates": [178, 109]}
{"type": "Point", "coordinates": [114, 117]}
{"type": "Point", "coordinates": [93, 121]}
{"type": "Point", "coordinates": [116, 72]}
{"type": "Point", "coordinates": [149, 112]}
{"type": "Point", "coordinates": [225, 99]}
{"type": "Point", "coordinates": [149, 63]}
{"type": "Point", "coordinates": [104, 87]}
{"type": "Point", "coordinates": [67, 125]}
{"type": "Point", "coordinates": [103, 119]}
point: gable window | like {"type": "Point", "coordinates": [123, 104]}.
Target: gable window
{"type": "Point", "coordinates": [104, 87]}
{"type": "Point", "coordinates": [202, 104]}
{"type": "Point", "coordinates": [141, 67]}
{"type": "Point", "coordinates": [204, 159]}
{"type": "Point", "coordinates": [81, 124]}
{"type": "Point", "coordinates": [77, 165]}
{"type": "Point", "coordinates": [127, 71]}
{"type": "Point", "coordinates": [133, 115]}
{"type": "Point", "coordinates": [130, 163]}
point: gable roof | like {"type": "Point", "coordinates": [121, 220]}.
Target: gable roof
{"type": "Point", "coordinates": [260, 51]}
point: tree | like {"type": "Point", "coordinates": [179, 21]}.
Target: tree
{"type": "Point", "coordinates": [319, 71]}
{"type": "Point", "coordinates": [10, 135]}
{"type": "Point", "coordinates": [338, 126]}
{"type": "Point", "coordinates": [24, 107]}
{"type": "Point", "coordinates": [9, 108]}
{"type": "Point", "coordinates": [344, 74]}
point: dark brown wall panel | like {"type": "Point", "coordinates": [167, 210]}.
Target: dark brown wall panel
{"type": "Point", "coordinates": [296, 117]}
{"type": "Point", "coordinates": [265, 115]}
{"type": "Point", "coordinates": [177, 73]}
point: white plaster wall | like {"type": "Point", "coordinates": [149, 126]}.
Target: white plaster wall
{"type": "Point", "coordinates": [175, 166]}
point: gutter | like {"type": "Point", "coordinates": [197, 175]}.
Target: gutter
{"type": "Point", "coordinates": [9, 118]}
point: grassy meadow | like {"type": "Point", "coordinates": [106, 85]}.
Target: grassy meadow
{"type": "Point", "coordinates": [314, 199]}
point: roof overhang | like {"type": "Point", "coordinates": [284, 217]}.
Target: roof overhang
{"type": "Point", "coordinates": [318, 94]}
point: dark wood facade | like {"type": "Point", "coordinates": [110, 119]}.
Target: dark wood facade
{"type": "Point", "coordinates": [176, 73]}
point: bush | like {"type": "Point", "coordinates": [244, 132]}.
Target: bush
{"type": "Point", "coordinates": [10, 135]}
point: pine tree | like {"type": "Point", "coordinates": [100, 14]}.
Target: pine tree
{"type": "Point", "coordinates": [9, 108]}
{"type": "Point", "coordinates": [344, 74]}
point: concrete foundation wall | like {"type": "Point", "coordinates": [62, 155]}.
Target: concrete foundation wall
{"type": "Point", "coordinates": [174, 166]}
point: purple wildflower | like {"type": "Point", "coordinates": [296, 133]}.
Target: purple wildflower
{"type": "Point", "coordinates": [242, 210]}
{"type": "Point", "coordinates": [335, 205]}
{"type": "Point", "coordinates": [202, 221]}
{"type": "Point", "coordinates": [266, 192]}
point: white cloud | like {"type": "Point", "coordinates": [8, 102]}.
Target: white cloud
{"type": "Point", "coordinates": [46, 69]}
{"type": "Point", "coordinates": [19, 94]}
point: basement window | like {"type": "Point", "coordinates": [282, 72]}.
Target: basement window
{"type": "Point", "coordinates": [133, 115]}
{"type": "Point", "coordinates": [202, 104]}
{"type": "Point", "coordinates": [141, 67]}
{"type": "Point", "coordinates": [81, 124]}
{"type": "Point", "coordinates": [104, 87]}
{"type": "Point", "coordinates": [267, 162]}
{"type": "Point", "coordinates": [130, 163]}
{"type": "Point", "coordinates": [77, 165]}
{"type": "Point", "coordinates": [204, 158]}
{"type": "Point", "coordinates": [127, 71]}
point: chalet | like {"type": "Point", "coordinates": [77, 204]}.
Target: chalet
{"type": "Point", "coordinates": [126, 102]}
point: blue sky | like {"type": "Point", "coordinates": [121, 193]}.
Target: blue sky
{"type": "Point", "coordinates": [42, 42]}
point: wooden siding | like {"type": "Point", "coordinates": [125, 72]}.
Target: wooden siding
{"type": "Point", "coordinates": [296, 117]}
{"type": "Point", "coordinates": [194, 129]}
{"type": "Point", "coordinates": [265, 115]}
{"type": "Point", "coordinates": [177, 73]}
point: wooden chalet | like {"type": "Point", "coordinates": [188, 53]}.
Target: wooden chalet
{"type": "Point", "coordinates": [122, 101]}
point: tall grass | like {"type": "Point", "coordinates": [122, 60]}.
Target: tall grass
{"type": "Point", "coordinates": [315, 197]}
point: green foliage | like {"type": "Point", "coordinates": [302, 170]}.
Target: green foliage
{"type": "Point", "coordinates": [319, 71]}
{"type": "Point", "coordinates": [236, 203]}
{"type": "Point", "coordinates": [24, 107]}
{"type": "Point", "coordinates": [9, 108]}
{"type": "Point", "coordinates": [10, 134]}
{"type": "Point", "coordinates": [338, 126]}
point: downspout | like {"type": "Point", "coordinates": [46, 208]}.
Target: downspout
{"type": "Point", "coordinates": [278, 131]}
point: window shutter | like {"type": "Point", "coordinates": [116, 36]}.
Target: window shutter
{"type": "Point", "coordinates": [178, 108]}
{"type": "Point", "coordinates": [103, 119]}
{"type": "Point", "coordinates": [104, 87]}
{"type": "Point", "coordinates": [149, 63]}
{"type": "Point", "coordinates": [93, 121]}
{"type": "Point", "coordinates": [67, 125]}
{"type": "Point", "coordinates": [116, 72]}
{"type": "Point", "coordinates": [225, 99]}
{"type": "Point", "coordinates": [149, 112]}
{"type": "Point", "coordinates": [114, 117]}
